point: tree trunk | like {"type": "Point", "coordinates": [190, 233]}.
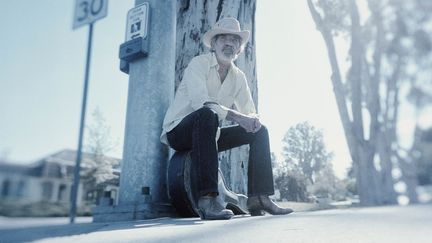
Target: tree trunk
{"type": "Point", "coordinates": [368, 185]}
{"type": "Point", "coordinates": [194, 18]}
{"type": "Point", "coordinates": [362, 151]}
{"type": "Point", "coordinates": [378, 138]}
{"type": "Point", "coordinates": [366, 179]}
{"type": "Point", "coordinates": [389, 196]}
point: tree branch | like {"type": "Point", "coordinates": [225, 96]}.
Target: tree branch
{"type": "Point", "coordinates": [374, 105]}
{"type": "Point", "coordinates": [356, 72]}
{"type": "Point", "coordinates": [336, 81]}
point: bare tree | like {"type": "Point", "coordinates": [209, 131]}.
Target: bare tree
{"type": "Point", "coordinates": [97, 166]}
{"type": "Point", "coordinates": [194, 18]}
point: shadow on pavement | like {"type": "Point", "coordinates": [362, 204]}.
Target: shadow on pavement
{"type": "Point", "coordinates": [41, 232]}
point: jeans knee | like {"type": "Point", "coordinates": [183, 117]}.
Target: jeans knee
{"type": "Point", "coordinates": [263, 129]}
{"type": "Point", "coordinates": [207, 114]}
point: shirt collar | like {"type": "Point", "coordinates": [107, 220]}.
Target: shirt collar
{"type": "Point", "coordinates": [213, 60]}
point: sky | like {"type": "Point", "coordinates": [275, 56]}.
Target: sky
{"type": "Point", "coordinates": [42, 63]}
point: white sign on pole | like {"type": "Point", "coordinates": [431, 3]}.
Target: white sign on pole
{"type": "Point", "coordinates": [88, 11]}
{"type": "Point", "coordinates": [137, 20]}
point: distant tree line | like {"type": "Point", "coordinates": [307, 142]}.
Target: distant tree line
{"type": "Point", "coordinates": [305, 171]}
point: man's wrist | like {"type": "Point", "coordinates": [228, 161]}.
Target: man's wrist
{"type": "Point", "coordinates": [232, 115]}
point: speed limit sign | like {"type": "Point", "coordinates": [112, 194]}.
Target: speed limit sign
{"type": "Point", "coordinates": [88, 11]}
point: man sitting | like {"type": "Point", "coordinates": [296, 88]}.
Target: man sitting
{"type": "Point", "coordinates": [211, 86]}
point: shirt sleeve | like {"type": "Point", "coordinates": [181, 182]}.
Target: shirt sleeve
{"type": "Point", "coordinates": [243, 100]}
{"type": "Point", "coordinates": [195, 80]}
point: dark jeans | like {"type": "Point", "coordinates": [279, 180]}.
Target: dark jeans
{"type": "Point", "coordinates": [197, 132]}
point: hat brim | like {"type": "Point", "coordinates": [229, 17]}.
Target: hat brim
{"type": "Point", "coordinates": [208, 36]}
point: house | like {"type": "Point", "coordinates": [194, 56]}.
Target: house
{"type": "Point", "coordinates": [50, 179]}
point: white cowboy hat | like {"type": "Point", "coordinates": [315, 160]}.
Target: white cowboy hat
{"type": "Point", "coordinates": [226, 26]}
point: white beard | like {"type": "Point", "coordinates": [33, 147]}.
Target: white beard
{"type": "Point", "coordinates": [227, 55]}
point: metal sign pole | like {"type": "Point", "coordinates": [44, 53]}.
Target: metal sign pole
{"type": "Point", "coordinates": [75, 186]}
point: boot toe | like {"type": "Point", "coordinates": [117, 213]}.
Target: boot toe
{"type": "Point", "coordinates": [210, 209]}
{"type": "Point", "coordinates": [221, 215]}
{"type": "Point", "coordinates": [259, 204]}
{"type": "Point", "coordinates": [254, 212]}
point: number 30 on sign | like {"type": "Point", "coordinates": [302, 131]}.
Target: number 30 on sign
{"type": "Point", "coordinates": [88, 11]}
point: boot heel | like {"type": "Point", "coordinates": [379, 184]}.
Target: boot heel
{"type": "Point", "coordinates": [201, 214]}
{"type": "Point", "coordinates": [256, 212]}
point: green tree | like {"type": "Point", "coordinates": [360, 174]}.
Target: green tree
{"type": "Point", "coordinates": [292, 186]}
{"type": "Point", "coordinates": [304, 149]}
{"type": "Point", "coordinates": [328, 185]}
{"type": "Point", "coordinates": [306, 166]}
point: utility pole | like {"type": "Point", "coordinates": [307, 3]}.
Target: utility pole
{"type": "Point", "coordinates": [149, 59]}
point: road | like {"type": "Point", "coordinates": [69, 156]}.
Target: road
{"type": "Point", "coordinates": [376, 224]}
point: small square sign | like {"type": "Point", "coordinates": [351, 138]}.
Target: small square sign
{"type": "Point", "coordinates": [137, 20]}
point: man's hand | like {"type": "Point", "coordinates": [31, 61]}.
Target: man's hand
{"type": "Point", "coordinates": [249, 123]}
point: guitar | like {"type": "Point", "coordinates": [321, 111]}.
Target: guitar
{"type": "Point", "coordinates": [182, 181]}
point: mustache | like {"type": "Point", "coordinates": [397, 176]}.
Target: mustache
{"type": "Point", "coordinates": [228, 48]}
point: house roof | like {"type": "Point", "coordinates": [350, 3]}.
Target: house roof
{"type": "Point", "coordinates": [7, 167]}
{"type": "Point", "coordinates": [57, 165]}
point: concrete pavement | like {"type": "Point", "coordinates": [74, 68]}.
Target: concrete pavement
{"type": "Point", "coordinates": [377, 224]}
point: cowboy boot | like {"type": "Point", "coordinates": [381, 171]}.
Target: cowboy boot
{"type": "Point", "coordinates": [258, 204]}
{"type": "Point", "coordinates": [210, 207]}
{"type": "Point", "coordinates": [231, 200]}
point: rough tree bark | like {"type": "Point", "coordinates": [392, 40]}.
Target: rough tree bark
{"type": "Point", "coordinates": [194, 18]}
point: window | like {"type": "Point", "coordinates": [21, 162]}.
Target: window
{"type": "Point", "coordinates": [21, 188]}
{"type": "Point", "coordinates": [47, 190]}
{"type": "Point", "coordinates": [5, 188]}
{"type": "Point", "coordinates": [62, 193]}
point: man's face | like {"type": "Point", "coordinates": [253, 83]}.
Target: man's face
{"type": "Point", "coordinates": [227, 47]}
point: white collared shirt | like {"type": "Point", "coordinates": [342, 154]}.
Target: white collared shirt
{"type": "Point", "coordinates": [201, 83]}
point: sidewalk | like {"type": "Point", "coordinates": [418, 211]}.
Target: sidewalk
{"type": "Point", "coordinates": [378, 224]}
